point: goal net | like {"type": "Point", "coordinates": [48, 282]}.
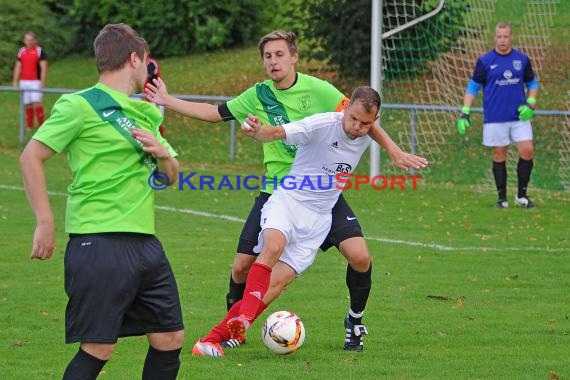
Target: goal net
{"type": "Point", "coordinates": [431, 63]}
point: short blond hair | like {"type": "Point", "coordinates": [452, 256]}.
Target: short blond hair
{"type": "Point", "coordinates": [504, 25]}
{"type": "Point", "coordinates": [277, 35]}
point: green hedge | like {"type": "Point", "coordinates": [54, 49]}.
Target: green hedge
{"type": "Point", "coordinates": [172, 28]}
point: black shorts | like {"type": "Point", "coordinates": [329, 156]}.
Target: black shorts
{"type": "Point", "coordinates": [118, 284]}
{"type": "Point", "coordinates": [344, 225]}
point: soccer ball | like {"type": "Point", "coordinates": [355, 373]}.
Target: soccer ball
{"type": "Point", "coordinates": [283, 332]}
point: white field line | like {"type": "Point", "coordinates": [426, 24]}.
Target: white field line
{"type": "Point", "coordinates": [438, 247]}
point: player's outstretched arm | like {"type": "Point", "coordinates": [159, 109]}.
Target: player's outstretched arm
{"type": "Point", "coordinates": [157, 92]}
{"type": "Point", "coordinates": [32, 165]}
{"type": "Point", "coordinates": [401, 159]}
{"type": "Point", "coordinates": [264, 133]}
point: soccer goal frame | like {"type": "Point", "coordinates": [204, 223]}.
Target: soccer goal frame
{"type": "Point", "coordinates": [376, 60]}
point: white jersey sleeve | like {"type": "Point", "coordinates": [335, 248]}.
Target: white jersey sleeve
{"type": "Point", "coordinates": [310, 129]}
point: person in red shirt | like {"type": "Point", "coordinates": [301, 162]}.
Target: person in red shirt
{"type": "Point", "coordinates": [30, 72]}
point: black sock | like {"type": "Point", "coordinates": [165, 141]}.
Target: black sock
{"type": "Point", "coordinates": [161, 365]}
{"type": "Point", "coordinates": [83, 366]}
{"type": "Point", "coordinates": [359, 285]}
{"type": "Point", "coordinates": [500, 174]}
{"type": "Point", "coordinates": [235, 294]}
{"type": "Point", "coordinates": [524, 168]}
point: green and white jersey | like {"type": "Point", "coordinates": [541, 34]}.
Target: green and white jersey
{"type": "Point", "coordinates": [307, 96]}
{"type": "Point", "coordinates": [110, 190]}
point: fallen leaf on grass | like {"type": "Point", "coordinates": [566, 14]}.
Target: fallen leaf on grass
{"type": "Point", "coordinates": [552, 325]}
{"type": "Point", "coordinates": [458, 303]}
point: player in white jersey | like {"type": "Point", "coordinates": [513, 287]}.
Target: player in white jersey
{"type": "Point", "coordinates": [301, 207]}
{"type": "Point", "coordinates": [296, 218]}
{"type": "Point", "coordinates": [325, 150]}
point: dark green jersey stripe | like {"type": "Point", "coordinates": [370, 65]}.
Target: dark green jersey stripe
{"type": "Point", "coordinates": [276, 113]}
{"type": "Point", "coordinates": [111, 111]}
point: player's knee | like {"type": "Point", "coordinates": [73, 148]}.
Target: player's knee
{"type": "Point", "coordinates": [177, 339]}
{"type": "Point", "coordinates": [526, 153]}
{"type": "Point", "coordinates": [355, 251]}
{"type": "Point", "coordinates": [101, 351]}
{"type": "Point", "coordinates": [239, 271]}
{"type": "Point", "coordinates": [241, 266]}
{"type": "Point", "coordinates": [360, 263]}
{"type": "Point", "coordinates": [167, 341]}
{"type": "Point", "coordinates": [499, 156]}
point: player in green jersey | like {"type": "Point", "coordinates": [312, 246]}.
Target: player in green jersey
{"type": "Point", "coordinates": [117, 277]}
{"type": "Point", "coordinates": [288, 96]}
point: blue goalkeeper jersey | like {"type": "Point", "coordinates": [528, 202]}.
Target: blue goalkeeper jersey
{"type": "Point", "coordinates": [503, 79]}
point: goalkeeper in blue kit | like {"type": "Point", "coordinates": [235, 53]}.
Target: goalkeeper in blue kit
{"type": "Point", "coordinates": [503, 73]}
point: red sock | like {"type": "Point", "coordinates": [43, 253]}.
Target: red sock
{"type": "Point", "coordinates": [255, 288]}
{"type": "Point", "coordinates": [29, 117]}
{"type": "Point", "coordinates": [40, 115]}
{"type": "Point", "coordinates": [220, 332]}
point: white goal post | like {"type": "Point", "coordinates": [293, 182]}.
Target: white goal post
{"type": "Point", "coordinates": [376, 61]}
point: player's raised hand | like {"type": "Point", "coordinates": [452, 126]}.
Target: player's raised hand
{"type": "Point", "coordinates": [156, 91]}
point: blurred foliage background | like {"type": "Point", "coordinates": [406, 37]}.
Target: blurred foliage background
{"type": "Point", "coordinates": [179, 28]}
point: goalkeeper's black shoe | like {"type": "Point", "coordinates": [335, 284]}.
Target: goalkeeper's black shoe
{"type": "Point", "coordinates": [525, 202]}
{"type": "Point", "coordinates": [502, 203]}
{"type": "Point", "coordinates": [354, 334]}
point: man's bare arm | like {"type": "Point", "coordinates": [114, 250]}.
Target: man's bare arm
{"type": "Point", "coordinates": [32, 162]}
{"type": "Point", "coordinates": [401, 159]}
{"type": "Point", "coordinates": [158, 93]}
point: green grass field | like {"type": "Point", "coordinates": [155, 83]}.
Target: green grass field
{"type": "Point", "coordinates": [460, 290]}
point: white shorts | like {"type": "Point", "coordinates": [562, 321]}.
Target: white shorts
{"type": "Point", "coordinates": [304, 229]}
{"type": "Point", "coordinates": [31, 96]}
{"type": "Point", "coordinates": [504, 134]}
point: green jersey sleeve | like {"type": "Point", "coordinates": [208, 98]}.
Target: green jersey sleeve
{"type": "Point", "coordinates": [63, 125]}
{"type": "Point", "coordinates": [243, 104]}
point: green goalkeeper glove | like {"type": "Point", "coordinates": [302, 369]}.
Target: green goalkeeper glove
{"type": "Point", "coordinates": [464, 120]}
{"type": "Point", "coordinates": [526, 111]}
